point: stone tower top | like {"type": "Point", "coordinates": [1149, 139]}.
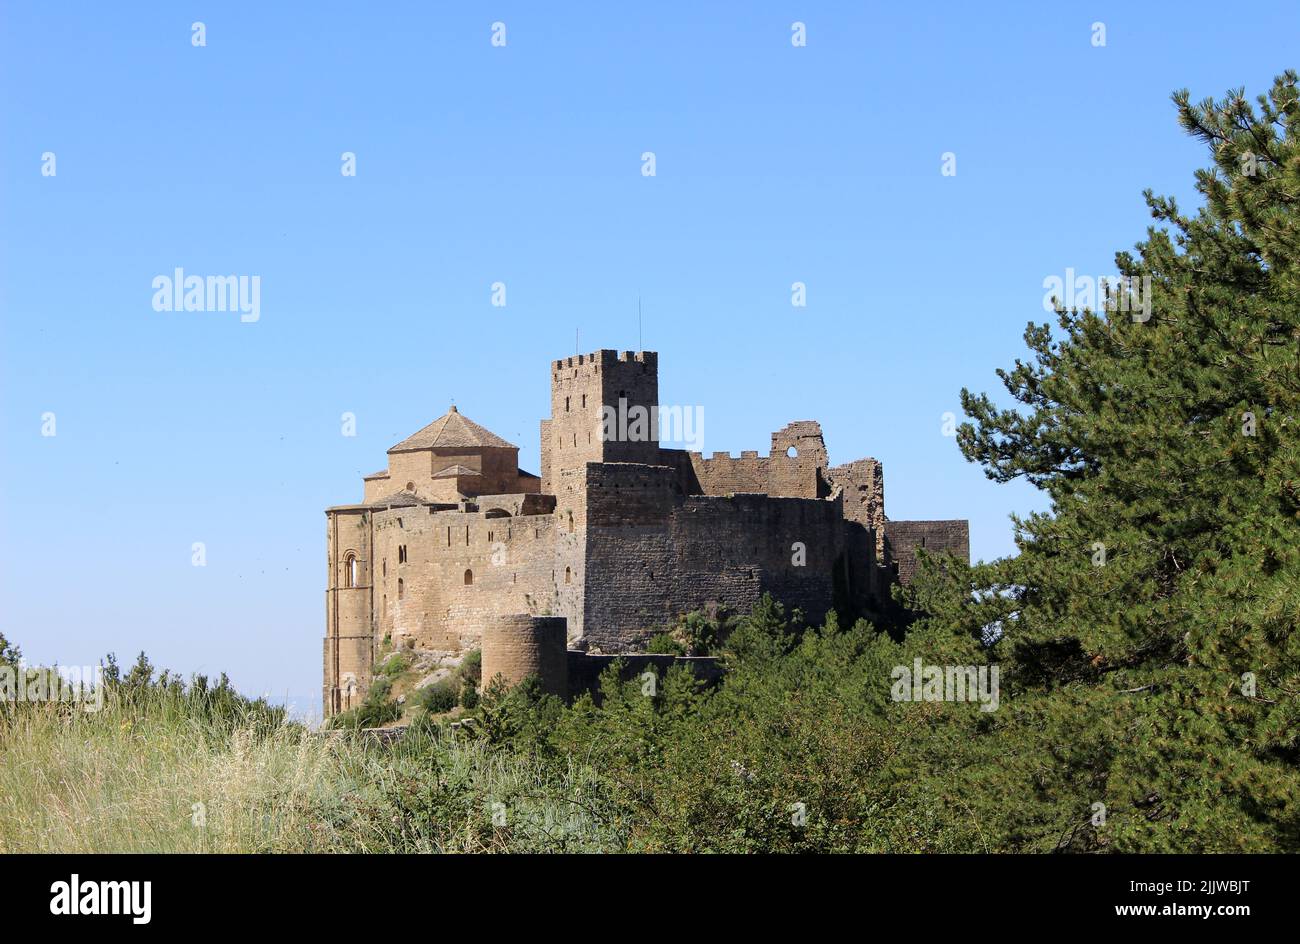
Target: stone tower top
{"type": "Point", "coordinates": [583, 388]}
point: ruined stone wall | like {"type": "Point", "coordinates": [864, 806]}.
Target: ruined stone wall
{"type": "Point", "coordinates": [653, 554]}
{"type": "Point", "coordinates": [902, 538]}
{"type": "Point", "coordinates": [778, 473]}
{"type": "Point", "coordinates": [862, 484]}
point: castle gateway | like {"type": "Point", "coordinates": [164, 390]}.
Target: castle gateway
{"type": "Point", "coordinates": [617, 535]}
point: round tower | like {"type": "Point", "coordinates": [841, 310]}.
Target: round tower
{"type": "Point", "coordinates": [520, 645]}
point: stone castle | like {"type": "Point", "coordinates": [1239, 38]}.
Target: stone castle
{"type": "Point", "coordinates": [453, 542]}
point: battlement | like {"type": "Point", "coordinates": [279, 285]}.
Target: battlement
{"type": "Point", "coordinates": [795, 467]}
{"type": "Point", "coordinates": [606, 357]}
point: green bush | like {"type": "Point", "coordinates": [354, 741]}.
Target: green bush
{"type": "Point", "coordinates": [376, 710]}
{"type": "Point", "coordinates": [665, 644]}
{"type": "Point", "coordinates": [700, 633]}
{"type": "Point", "coordinates": [440, 696]}
{"type": "Point", "coordinates": [471, 667]}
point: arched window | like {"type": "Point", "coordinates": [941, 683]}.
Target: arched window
{"type": "Point", "coordinates": [401, 588]}
{"type": "Point", "coordinates": [568, 575]}
{"type": "Point", "coordinates": [469, 577]}
{"type": "Point", "coordinates": [350, 569]}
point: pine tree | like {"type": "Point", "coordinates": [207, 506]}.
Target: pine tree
{"type": "Point", "coordinates": [1146, 628]}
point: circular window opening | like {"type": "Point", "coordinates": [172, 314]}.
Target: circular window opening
{"type": "Point", "coordinates": [792, 452]}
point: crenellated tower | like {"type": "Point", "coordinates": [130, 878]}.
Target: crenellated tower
{"type": "Point", "coordinates": [582, 387]}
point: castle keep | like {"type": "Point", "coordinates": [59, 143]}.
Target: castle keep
{"type": "Point", "coordinates": [618, 536]}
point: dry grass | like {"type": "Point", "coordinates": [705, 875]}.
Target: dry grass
{"type": "Point", "coordinates": [161, 776]}
{"type": "Point", "coordinates": [156, 780]}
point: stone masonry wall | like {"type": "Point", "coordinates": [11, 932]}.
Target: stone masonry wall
{"type": "Point", "coordinates": [777, 473]}
{"type": "Point", "coordinates": [460, 570]}
{"type": "Point", "coordinates": [653, 554]}
{"type": "Point", "coordinates": [516, 646]}
{"type": "Point", "coordinates": [902, 538]}
{"type": "Point", "coordinates": [348, 633]}
{"type": "Point", "coordinates": [863, 485]}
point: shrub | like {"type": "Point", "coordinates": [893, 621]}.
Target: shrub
{"type": "Point", "coordinates": [471, 667]}
{"type": "Point", "coordinates": [665, 644]}
{"type": "Point", "coordinates": [439, 696]}
{"type": "Point", "coordinates": [700, 633]}
{"type": "Point", "coordinates": [375, 711]}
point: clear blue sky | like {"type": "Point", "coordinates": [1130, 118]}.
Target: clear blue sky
{"type": "Point", "coordinates": [522, 164]}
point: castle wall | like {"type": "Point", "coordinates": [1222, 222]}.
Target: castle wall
{"type": "Point", "coordinates": [797, 476]}
{"type": "Point", "coordinates": [653, 554]}
{"type": "Point", "coordinates": [570, 547]}
{"type": "Point", "coordinates": [863, 486]}
{"type": "Point", "coordinates": [902, 538]}
{"type": "Point", "coordinates": [516, 646]}
{"type": "Point", "coordinates": [510, 565]}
